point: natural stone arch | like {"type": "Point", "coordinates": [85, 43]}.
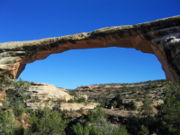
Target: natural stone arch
{"type": "Point", "coordinates": [161, 37]}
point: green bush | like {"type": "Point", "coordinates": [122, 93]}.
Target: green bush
{"type": "Point", "coordinates": [98, 124]}
{"type": "Point", "coordinates": [144, 130]}
{"type": "Point", "coordinates": [167, 120]}
{"type": "Point", "coordinates": [13, 105]}
{"type": "Point", "coordinates": [77, 100]}
{"type": "Point", "coordinates": [46, 122]}
{"type": "Point", "coordinates": [6, 81]}
{"type": "Point", "coordinates": [7, 122]}
{"type": "Point", "coordinates": [116, 102]}
{"type": "Point", "coordinates": [146, 109]}
{"type": "Point", "coordinates": [16, 97]}
{"type": "Point", "coordinates": [130, 106]}
{"type": "Point", "coordinates": [121, 130]}
{"type": "Point", "coordinates": [92, 130]}
{"type": "Point", "coordinates": [80, 130]}
{"type": "Point", "coordinates": [96, 115]}
{"type": "Point", "coordinates": [169, 115]}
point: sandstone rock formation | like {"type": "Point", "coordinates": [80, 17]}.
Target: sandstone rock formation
{"type": "Point", "coordinates": [45, 95]}
{"type": "Point", "coordinates": [160, 37]}
{"type": "Point", "coordinates": [48, 92]}
{"type": "Point", "coordinates": [77, 106]}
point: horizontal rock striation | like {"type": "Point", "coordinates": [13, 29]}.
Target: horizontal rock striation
{"type": "Point", "coordinates": [160, 37]}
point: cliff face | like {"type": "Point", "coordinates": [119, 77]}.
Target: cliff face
{"type": "Point", "coordinates": [160, 37]}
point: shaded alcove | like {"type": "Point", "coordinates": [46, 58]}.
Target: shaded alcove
{"type": "Point", "coordinates": [94, 66]}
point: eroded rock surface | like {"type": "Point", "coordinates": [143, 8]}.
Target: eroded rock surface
{"type": "Point", "coordinates": [77, 106]}
{"type": "Point", "coordinates": [160, 37]}
{"type": "Point", "coordinates": [48, 92]}
{"type": "Point", "coordinates": [45, 95]}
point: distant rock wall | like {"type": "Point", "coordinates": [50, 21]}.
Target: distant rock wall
{"type": "Point", "coordinates": [160, 37]}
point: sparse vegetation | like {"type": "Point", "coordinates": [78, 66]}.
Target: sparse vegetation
{"type": "Point", "coordinates": [46, 121]}
{"type": "Point", "coordinates": [98, 124]}
{"type": "Point", "coordinates": [77, 100]}
{"type": "Point", "coordinates": [7, 122]}
{"type": "Point", "coordinates": [117, 102]}
{"type": "Point", "coordinates": [95, 122]}
{"type": "Point", "coordinates": [146, 109]}
{"type": "Point", "coordinates": [169, 114]}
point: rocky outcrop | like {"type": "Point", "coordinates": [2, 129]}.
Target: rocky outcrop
{"type": "Point", "coordinates": [77, 106]}
{"type": "Point", "coordinates": [160, 37]}
{"type": "Point", "coordinates": [45, 95]}
{"type": "Point", "coordinates": [48, 92]}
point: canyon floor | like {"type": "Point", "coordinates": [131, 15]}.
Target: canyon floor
{"type": "Point", "coordinates": [115, 109]}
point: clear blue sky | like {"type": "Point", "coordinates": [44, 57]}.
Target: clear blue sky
{"type": "Point", "coordinates": [34, 19]}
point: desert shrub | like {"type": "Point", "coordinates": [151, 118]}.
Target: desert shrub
{"type": "Point", "coordinates": [115, 102]}
{"type": "Point", "coordinates": [46, 122]}
{"type": "Point", "coordinates": [5, 82]}
{"type": "Point", "coordinates": [146, 109]}
{"type": "Point", "coordinates": [13, 105]}
{"type": "Point", "coordinates": [169, 115]}
{"type": "Point", "coordinates": [141, 125]}
{"type": "Point", "coordinates": [92, 130]}
{"type": "Point", "coordinates": [7, 122]}
{"type": "Point", "coordinates": [121, 130]}
{"type": "Point", "coordinates": [96, 115]}
{"type": "Point", "coordinates": [143, 130]}
{"type": "Point", "coordinates": [77, 100]}
{"type": "Point", "coordinates": [167, 120]}
{"type": "Point", "coordinates": [72, 93]}
{"type": "Point", "coordinates": [16, 97]}
{"type": "Point", "coordinates": [130, 106]}
{"type": "Point", "coordinates": [133, 125]}
{"type": "Point", "coordinates": [21, 87]}
{"type": "Point", "coordinates": [81, 99]}
{"type": "Point", "coordinates": [103, 102]}
{"type": "Point", "coordinates": [80, 130]}
{"type": "Point", "coordinates": [98, 124]}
